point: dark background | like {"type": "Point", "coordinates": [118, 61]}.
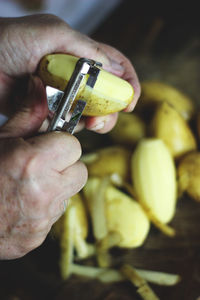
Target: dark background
{"type": "Point", "coordinates": [162, 40]}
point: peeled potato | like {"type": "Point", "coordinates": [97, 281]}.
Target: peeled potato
{"type": "Point", "coordinates": [81, 216]}
{"type": "Point", "coordinates": [127, 217]}
{"type": "Point", "coordinates": [110, 93]}
{"type": "Point", "coordinates": [189, 175]}
{"type": "Point", "coordinates": [154, 92]}
{"type": "Point", "coordinates": [72, 230]}
{"type": "Point", "coordinates": [123, 214]}
{"type": "Point", "coordinates": [169, 126]}
{"type": "Point", "coordinates": [154, 178]}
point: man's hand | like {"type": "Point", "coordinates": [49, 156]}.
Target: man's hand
{"type": "Point", "coordinates": [36, 177]}
{"type": "Point", "coordinates": [37, 174]}
{"type": "Point", "coordinates": [24, 41]}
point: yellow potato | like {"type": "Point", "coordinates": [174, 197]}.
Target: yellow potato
{"type": "Point", "coordinates": [72, 230]}
{"type": "Point", "coordinates": [81, 216]}
{"type": "Point", "coordinates": [189, 175]}
{"type": "Point", "coordinates": [123, 215]}
{"type": "Point", "coordinates": [154, 178]}
{"type": "Point", "coordinates": [154, 92]}
{"type": "Point", "coordinates": [129, 129]}
{"type": "Point", "coordinates": [127, 217]}
{"type": "Point", "coordinates": [110, 93]}
{"type": "Point", "coordinates": [169, 126]}
{"type": "Point", "coordinates": [108, 161]}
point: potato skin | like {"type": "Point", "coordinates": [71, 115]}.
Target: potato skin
{"type": "Point", "coordinates": [110, 93]}
{"type": "Point", "coordinates": [189, 175]}
{"type": "Point", "coordinates": [169, 126]}
{"type": "Point", "coordinates": [130, 128]}
{"type": "Point", "coordinates": [108, 161]}
{"type": "Point", "coordinates": [155, 92]}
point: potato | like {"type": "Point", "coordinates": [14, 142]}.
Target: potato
{"type": "Point", "coordinates": [142, 287]}
{"type": "Point", "coordinates": [154, 178]}
{"type": "Point", "coordinates": [110, 93]}
{"type": "Point", "coordinates": [154, 92]}
{"type": "Point", "coordinates": [189, 175]}
{"type": "Point", "coordinates": [72, 230]}
{"type": "Point", "coordinates": [127, 217]}
{"type": "Point", "coordinates": [108, 161]}
{"type": "Point", "coordinates": [81, 216]}
{"type": "Point", "coordinates": [169, 126]}
{"type": "Point", "coordinates": [94, 193]}
{"type": "Point", "coordinates": [129, 129]}
{"type": "Point", "coordinates": [123, 215]}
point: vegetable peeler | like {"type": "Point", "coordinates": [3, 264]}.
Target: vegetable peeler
{"type": "Point", "coordinates": [60, 103]}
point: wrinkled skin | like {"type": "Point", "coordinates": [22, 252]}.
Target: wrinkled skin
{"type": "Point", "coordinates": [38, 173]}
{"type": "Point", "coordinates": [36, 177]}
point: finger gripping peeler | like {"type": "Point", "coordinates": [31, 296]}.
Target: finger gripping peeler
{"type": "Point", "coordinates": [60, 103]}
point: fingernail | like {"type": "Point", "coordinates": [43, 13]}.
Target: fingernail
{"type": "Point", "coordinates": [116, 66]}
{"type": "Point", "coordinates": [98, 126]}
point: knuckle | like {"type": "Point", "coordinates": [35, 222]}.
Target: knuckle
{"type": "Point", "coordinates": [32, 165]}
{"type": "Point", "coordinates": [39, 226]}
{"type": "Point", "coordinates": [31, 227]}
{"type": "Point", "coordinates": [70, 143]}
{"type": "Point", "coordinates": [32, 243]}
{"type": "Point", "coordinates": [97, 48]}
{"type": "Point", "coordinates": [34, 198]}
{"type": "Point", "coordinates": [100, 54]}
{"type": "Point", "coordinates": [37, 206]}
{"type": "Point", "coordinates": [76, 178]}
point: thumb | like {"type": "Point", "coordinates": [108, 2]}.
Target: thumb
{"type": "Point", "coordinates": [32, 113]}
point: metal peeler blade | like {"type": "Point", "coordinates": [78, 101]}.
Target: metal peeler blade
{"type": "Point", "coordinates": [53, 97]}
{"type": "Point", "coordinates": [60, 102]}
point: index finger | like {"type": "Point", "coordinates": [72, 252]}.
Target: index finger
{"type": "Point", "coordinates": [58, 150]}
{"type": "Point", "coordinates": [129, 73]}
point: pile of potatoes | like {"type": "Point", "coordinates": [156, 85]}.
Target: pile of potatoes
{"type": "Point", "coordinates": [135, 182]}
{"type": "Point", "coordinates": [153, 160]}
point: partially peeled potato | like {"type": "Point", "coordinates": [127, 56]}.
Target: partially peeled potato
{"type": "Point", "coordinates": [109, 94]}
{"type": "Point", "coordinates": [169, 126]}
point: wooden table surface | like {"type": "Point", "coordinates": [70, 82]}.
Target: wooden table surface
{"type": "Point", "coordinates": [163, 43]}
